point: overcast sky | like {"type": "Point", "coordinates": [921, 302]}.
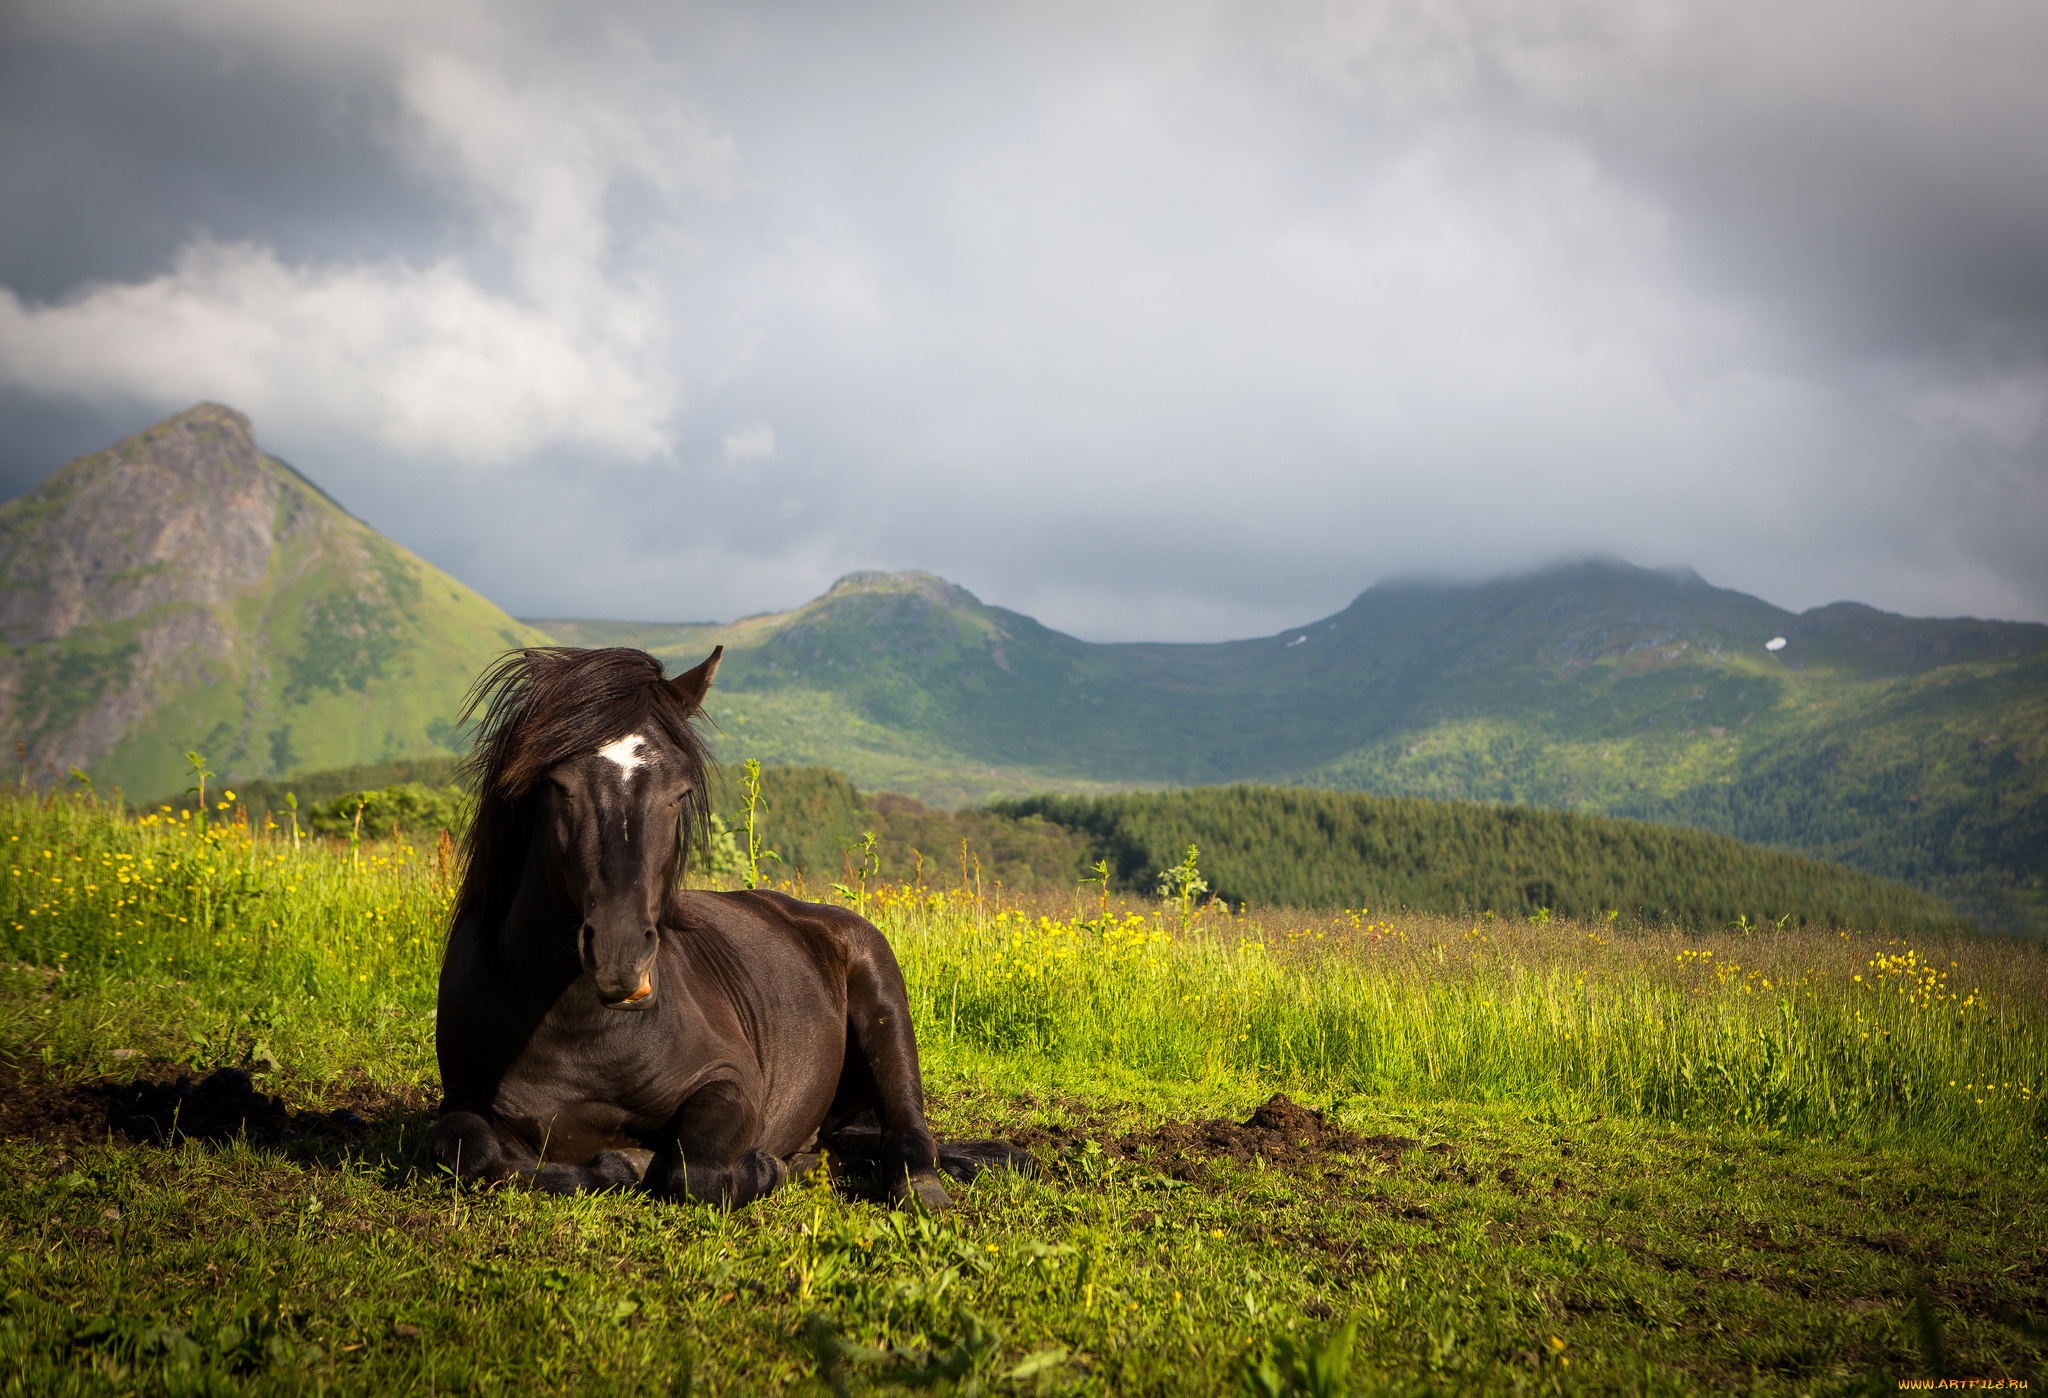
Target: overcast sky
{"type": "Point", "coordinates": [1175, 321]}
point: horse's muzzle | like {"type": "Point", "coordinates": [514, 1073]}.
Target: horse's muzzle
{"type": "Point", "coordinates": [620, 962]}
{"type": "Point", "coordinates": [641, 997]}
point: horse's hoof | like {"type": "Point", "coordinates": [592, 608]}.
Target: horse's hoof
{"type": "Point", "coordinates": [921, 1192]}
{"type": "Point", "coordinates": [618, 1169]}
{"type": "Point", "coordinates": [636, 1159]}
{"type": "Point", "coordinates": [803, 1162]}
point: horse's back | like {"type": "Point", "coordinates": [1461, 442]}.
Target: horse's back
{"type": "Point", "coordinates": [768, 928]}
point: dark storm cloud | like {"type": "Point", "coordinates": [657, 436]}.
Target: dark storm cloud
{"type": "Point", "coordinates": [120, 142]}
{"type": "Point", "coordinates": [1168, 321]}
{"type": "Point", "coordinates": [1885, 177]}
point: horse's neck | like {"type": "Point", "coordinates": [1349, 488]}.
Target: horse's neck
{"type": "Point", "coordinates": [537, 940]}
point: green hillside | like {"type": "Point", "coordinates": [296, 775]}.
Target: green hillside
{"type": "Point", "coordinates": [1326, 849]}
{"type": "Point", "coordinates": [1594, 686]}
{"type": "Point", "coordinates": [183, 590]}
{"type": "Point", "coordinates": [813, 818]}
{"type": "Point", "coordinates": [1936, 779]}
{"type": "Point", "coordinates": [1264, 845]}
{"type": "Point", "coordinates": [1323, 849]}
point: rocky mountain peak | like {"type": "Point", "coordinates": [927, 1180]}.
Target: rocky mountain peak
{"type": "Point", "coordinates": [184, 589]}
{"type": "Point", "coordinates": [930, 586]}
{"type": "Point", "coordinates": [206, 418]}
{"type": "Point", "coordinates": [186, 511]}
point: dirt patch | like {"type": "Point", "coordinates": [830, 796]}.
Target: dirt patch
{"type": "Point", "coordinates": [222, 1104]}
{"type": "Point", "coordinates": [228, 1103]}
{"type": "Point", "coordinates": [32, 1108]}
{"type": "Point", "coordinates": [1283, 1133]}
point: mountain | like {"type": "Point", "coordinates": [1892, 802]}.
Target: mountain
{"type": "Point", "coordinates": [184, 590]}
{"type": "Point", "coordinates": [1905, 747]}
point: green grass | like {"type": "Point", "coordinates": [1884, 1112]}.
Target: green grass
{"type": "Point", "coordinates": [1645, 1161]}
{"type": "Point", "coordinates": [1528, 1256]}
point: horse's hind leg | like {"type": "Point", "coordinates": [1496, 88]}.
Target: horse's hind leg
{"type": "Point", "coordinates": [879, 1031]}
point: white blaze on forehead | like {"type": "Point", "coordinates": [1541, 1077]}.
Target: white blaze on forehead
{"type": "Point", "coordinates": [625, 752]}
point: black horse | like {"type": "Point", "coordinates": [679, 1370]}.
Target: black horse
{"type": "Point", "coordinates": [599, 1027]}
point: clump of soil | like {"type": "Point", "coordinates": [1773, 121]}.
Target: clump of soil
{"type": "Point", "coordinates": [223, 1104]}
{"type": "Point", "coordinates": [1283, 1133]}
{"type": "Point", "coordinates": [33, 1109]}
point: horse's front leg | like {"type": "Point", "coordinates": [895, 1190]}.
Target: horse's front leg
{"type": "Point", "coordinates": [709, 1153]}
{"type": "Point", "coordinates": [472, 1148]}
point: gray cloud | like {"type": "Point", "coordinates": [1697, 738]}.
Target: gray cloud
{"type": "Point", "coordinates": [1171, 322]}
{"type": "Point", "coordinates": [125, 137]}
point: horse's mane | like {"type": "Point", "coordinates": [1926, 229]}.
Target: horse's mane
{"type": "Point", "coordinates": [544, 706]}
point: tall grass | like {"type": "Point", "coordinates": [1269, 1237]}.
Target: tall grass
{"type": "Point", "coordinates": [1869, 1037]}
{"type": "Point", "coordinates": [93, 894]}
{"type": "Point", "coordinates": [1844, 1033]}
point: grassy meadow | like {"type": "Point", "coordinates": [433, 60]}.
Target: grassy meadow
{"type": "Point", "coordinates": [1560, 1156]}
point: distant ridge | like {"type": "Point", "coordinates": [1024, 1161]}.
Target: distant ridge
{"type": "Point", "coordinates": [184, 590]}
{"type": "Point", "coordinates": [1910, 748]}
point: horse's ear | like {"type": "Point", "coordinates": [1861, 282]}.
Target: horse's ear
{"type": "Point", "coordinates": [692, 685]}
